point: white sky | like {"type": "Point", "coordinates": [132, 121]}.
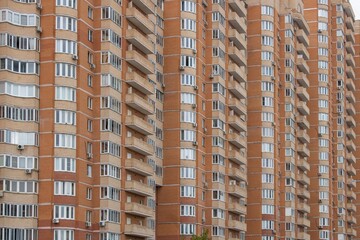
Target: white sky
{"type": "Point", "coordinates": [356, 7]}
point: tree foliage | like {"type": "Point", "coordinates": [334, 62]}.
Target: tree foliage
{"type": "Point", "coordinates": [203, 236]}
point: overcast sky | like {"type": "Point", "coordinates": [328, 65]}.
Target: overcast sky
{"type": "Point", "coordinates": [356, 6]}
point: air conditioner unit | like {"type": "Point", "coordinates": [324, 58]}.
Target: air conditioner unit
{"type": "Point", "coordinates": [195, 51]}
{"type": "Point", "coordinates": [194, 105]}
{"type": "Point", "coordinates": [38, 6]}
{"type": "Point", "coordinates": [320, 135]}
{"type": "Point", "coordinates": [182, 68]}
{"type": "Point", "coordinates": [195, 143]}
{"type": "Point", "coordinates": [88, 224]}
{"type": "Point", "coordinates": [92, 66]}
{"type": "Point", "coordinates": [75, 57]}
{"type": "Point", "coordinates": [196, 87]}
{"type": "Point", "coordinates": [274, 231]}
{"type": "Point", "coordinates": [28, 171]}
{"type": "Point", "coordinates": [205, 184]}
{"type": "Point", "coordinates": [319, 31]}
{"type": "Point", "coordinates": [1, 194]}
{"type": "Point", "coordinates": [211, 76]}
{"type": "Point", "coordinates": [205, 129]}
{"type": "Point", "coordinates": [39, 29]}
{"type": "Point", "coordinates": [194, 124]}
{"type": "Point", "coordinates": [203, 220]}
{"type": "Point", "coordinates": [319, 174]}
{"type": "Point", "coordinates": [89, 155]}
{"type": "Point", "coordinates": [273, 78]}
{"type": "Point", "coordinates": [102, 223]}
{"type": "Point", "coordinates": [163, 85]}
{"type": "Point", "coordinates": [20, 147]}
{"type": "Point", "coordinates": [320, 227]}
{"type": "Point", "coordinates": [56, 220]}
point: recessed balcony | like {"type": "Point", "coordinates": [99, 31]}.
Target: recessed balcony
{"type": "Point", "coordinates": [237, 225]}
{"type": "Point", "coordinates": [302, 37]}
{"type": "Point", "coordinates": [138, 125]}
{"type": "Point", "coordinates": [238, 174]}
{"type": "Point", "coordinates": [303, 108]}
{"type": "Point", "coordinates": [237, 208]}
{"type": "Point", "coordinates": [303, 150]}
{"type": "Point", "coordinates": [236, 105]}
{"type": "Point", "coordinates": [236, 89]}
{"type": "Point", "coordinates": [239, 7]}
{"type": "Point", "coordinates": [238, 191]}
{"type": "Point", "coordinates": [147, 6]}
{"type": "Point", "coordinates": [139, 104]}
{"type": "Point", "coordinates": [302, 94]}
{"type": "Point", "coordinates": [238, 39]}
{"type": "Point", "coordinates": [139, 167]}
{"type": "Point", "coordinates": [138, 231]}
{"type": "Point", "coordinates": [139, 41]}
{"type": "Point", "coordinates": [303, 122]}
{"type": "Point", "coordinates": [301, 49]}
{"type": "Point", "coordinates": [302, 65]}
{"type": "Point", "coordinates": [237, 157]}
{"type": "Point", "coordinates": [139, 188]}
{"type": "Point", "coordinates": [236, 123]}
{"type": "Point", "coordinates": [237, 56]}
{"type": "Point", "coordinates": [138, 209]}
{"type": "Point", "coordinates": [139, 61]}
{"type": "Point", "coordinates": [139, 146]}
{"type": "Point", "coordinates": [304, 207]}
{"type": "Point", "coordinates": [139, 20]}
{"type": "Point", "coordinates": [237, 72]}
{"type": "Point", "coordinates": [239, 23]}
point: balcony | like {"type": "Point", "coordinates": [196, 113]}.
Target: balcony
{"type": "Point", "coordinates": [139, 146]}
{"type": "Point", "coordinates": [351, 207]}
{"type": "Point", "coordinates": [237, 208]}
{"type": "Point", "coordinates": [303, 222]}
{"type": "Point", "coordinates": [238, 174]}
{"type": "Point", "coordinates": [350, 146]}
{"type": "Point", "coordinates": [303, 193]}
{"type": "Point", "coordinates": [348, 9]}
{"type": "Point", "coordinates": [236, 105]}
{"type": "Point", "coordinates": [350, 23]}
{"type": "Point", "coordinates": [237, 56]}
{"type": "Point", "coordinates": [350, 170]}
{"type": "Point", "coordinates": [350, 97]}
{"type": "Point", "coordinates": [301, 22]}
{"type": "Point", "coordinates": [139, 83]}
{"type": "Point", "coordinates": [302, 50]}
{"type": "Point", "coordinates": [303, 150]}
{"type": "Point", "coordinates": [350, 60]}
{"type": "Point", "coordinates": [236, 123]}
{"type": "Point", "coordinates": [351, 232]}
{"type": "Point", "coordinates": [350, 84]}
{"type": "Point", "coordinates": [239, 7]}
{"type": "Point", "coordinates": [139, 61]}
{"type": "Point", "coordinates": [237, 225]}
{"type": "Point", "coordinates": [239, 23]}
{"type": "Point", "coordinates": [138, 125]}
{"type": "Point", "coordinates": [351, 183]}
{"type": "Point", "coordinates": [303, 236]}
{"type": "Point", "coordinates": [304, 207]}
{"type": "Point", "coordinates": [139, 20]}
{"type": "Point", "coordinates": [139, 41]}
{"type": "Point", "coordinates": [303, 164]}
{"type": "Point", "coordinates": [350, 109]}
{"type": "Point", "coordinates": [350, 121]}
{"type": "Point", "coordinates": [303, 179]}
{"type": "Point", "coordinates": [303, 108]}
{"type": "Point", "coordinates": [138, 166]}
{"type": "Point", "coordinates": [138, 231]}
{"type": "Point", "coordinates": [236, 89]}
{"type": "Point", "coordinates": [237, 72]}
{"type": "Point", "coordinates": [302, 37]}
{"type": "Point", "coordinates": [237, 140]}
{"type": "Point", "coordinates": [350, 48]}
{"type": "Point", "coordinates": [350, 72]}
{"type": "Point", "coordinates": [237, 157]}
{"type": "Point", "coordinates": [303, 122]}
{"type": "Point", "coordinates": [238, 39]}
{"type": "Point", "coordinates": [138, 209]}
{"type": "Point", "coordinates": [351, 195]}
{"type": "Point", "coordinates": [351, 219]}
{"type": "Point", "coordinates": [350, 35]}
{"type": "Point", "coordinates": [147, 6]}
{"type": "Point", "coordinates": [302, 79]}
{"type": "Point", "coordinates": [302, 65]}
{"type": "Point", "coordinates": [350, 158]}
{"type": "Point", "coordinates": [139, 188]}
{"type": "Point", "coordinates": [139, 104]}
{"type": "Point", "coordinates": [303, 136]}
{"type": "Point", "coordinates": [302, 94]}
{"type": "Point", "coordinates": [238, 191]}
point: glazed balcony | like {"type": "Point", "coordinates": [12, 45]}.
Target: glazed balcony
{"type": "Point", "coordinates": [302, 37]}
{"type": "Point", "coordinates": [138, 209]}
{"type": "Point", "coordinates": [303, 164]}
{"type": "Point", "coordinates": [238, 39]}
{"type": "Point", "coordinates": [350, 146]}
{"type": "Point", "coordinates": [139, 104]}
{"type": "Point", "coordinates": [139, 41]}
{"type": "Point", "coordinates": [138, 125]}
{"type": "Point", "coordinates": [303, 108]}
{"type": "Point", "coordinates": [237, 56]}
{"type": "Point", "coordinates": [237, 72]}
{"type": "Point", "coordinates": [238, 174]}
{"type": "Point", "coordinates": [349, 46]}
{"type": "Point", "coordinates": [239, 23]}
{"type": "Point", "coordinates": [139, 20]}
{"type": "Point", "coordinates": [236, 105]}
{"type": "Point", "coordinates": [304, 207]}
{"type": "Point", "coordinates": [350, 72]}
{"type": "Point", "coordinates": [303, 193]}
{"type": "Point", "coordinates": [138, 231]}
{"type": "Point", "coordinates": [351, 195]}
{"type": "Point", "coordinates": [236, 89]}
{"type": "Point", "coordinates": [350, 60]}
{"type": "Point", "coordinates": [303, 136]}
{"type": "Point", "coordinates": [302, 94]}
{"type": "Point", "coordinates": [303, 122]}
{"type": "Point", "coordinates": [147, 6]}
{"type": "Point", "coordinates": [302, 79]}
{"type": "Point", "coordinates": [303, 236]}
{"type": "Point", "coordinates": [302, 50]}
{"type": "Point", "coordinates": [350, 97]}
{"type": "Point", "coordinates": [303, 222]}
{"type": "Point", "coordinates": [139, 146]}
{"type": "Point", "coordinates": [303, 179]}
{"type": "Point", "coordinates": [239, 7]}
{"type": "Point", "coordinates": [350, 121]}
{"type": "Point", "coordinates": [139, 167]}
{"type": "Point", "coordinates": [140, 83]}
{"type": "Point", "coordinates": [350, 133]}
{"type": "Point", "coordinates": [301, 22]}
{"type": "Point", "coordinates": [237, 225]}
{"type": "Point", "coordinates": [303, 150]}
{"type": "Point", "coordinates": [350, 84]}
{"type": "Point", "coordinates": [237, 140]}
{"type": "Point", "coordinates": [351, 170]}
{"type": "Point", "coordinates": [350, 35]}
{"type": "Point", "coordinates": [237, 157]}
{"type": "Point", "coordinates": [139, 61]}
{"type": "Point", "coordinates": [236, 123]}
{"type": "Point", "coordinates": [237, 208]}
{"type": "Point", "coordinates": [238, 191]}
{"type": "Point", "coordinates": [302, 65]}
{"type": "Point", "coordinates": [139, 188]}
{"type": "Point", "coordinates": [351, 232]}
{"type": "Point", "coordinates": [350, 109]}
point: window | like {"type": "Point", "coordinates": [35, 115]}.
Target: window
{"type": "Point", "coordinates": [267, 193]}
{"type": "Point", "coordinates": [187, 42]}
{"type": "Point", "coordinates": [19, 42]}
{"type": "Point", "coordinates": [65, 93]}
{"type": "Point", "coordinates": [65, 117]}
{"type": "Point", "coordinates": [188, 24]}
{"type": "Point", "coordinates": [267, 163]}
{"type": "Point", "coordinates": [19, 138]}
{"type": "Point", "coordinates": [63, 164]}
{"type": "Point", "coordinates": [90, 12]}
{"type": "Point", "coordinates": [66, 23]}
{"type": "Point", "coordinates": [66, 3]}
{"type": "Point", "coordinates": [187, 191]}
{"type": "Point", "coordinates": [267, 117]}
{"type": "Point", "coordinates": [108, 80]}
{"type": "Point", "coordinates": [109, 236]}
{"type": "Point", "coordinates": [189, 117]}
{"type": "Point", "coordinates": [17, 66]}
{"type": "Point", "coordinates": [108, 147]}
{"type": "Point", "coordinates": [111, 103]}
{"type": "Point", "coordinates": [188, 6]}
{"type": "Point", "coordinates": [110, 125]}
{"type": "Point", "coordinates": [65, 46]}
{"type": "Point", "coordinates": [64, 188]}
{"type": "Point", "coordinates": [19, 233]}
{"type": "Point", "coordinates": [18, 210]}
{"type": "Point", "coordinates": [187, 210]}
{"type": "Point", "coordinates": [111, 14]}
{"type": "Point", "coordinates": [112, 59]}
{"type": "Point", "coordinates": [267, 178]}
{"type": "Point", "coordinates": [25, 20]}
{"type": "Point", "coordinates": [268, 209]}
{"type": "Point", "coordinates": [188, 61]}
{"type": "Point", "coordinates": [188, 98]}
{"type": "Point", "coordinates": [187, 135]}
{"type": "Point", "coordinates": [267, 25]}
{"type": "Point", "coordinates": [110, 193]}
{"type": "Point", "coordinates": [267, 10]}
{"type": "Point", "coordinates": [19, 90]}
{"type": "Point", "coordinates": [110, 215]}
{"type": "Point", "coordinates": [64, 212]}
{"type": "Point", "coordinates": [187, 229]}
{"type": "Point", "coordinates": [19, 162]}
{"type": "Point", "coordinates": [110, 171]}
{"type": "Point", "coordinates": [63, 140]}
{"type": "Point", "coordinates": [267, 41]}
{"type": "Point", "coordinates": [110, 36]}
{"type": "Point", "coordinates": [19, 186]}
{"type": "Point", "coordinates": [187, 154]}
{"type": "Point", "coordinates": [267, 224]}
{"type": "Point", "coordinates": [218, 195]}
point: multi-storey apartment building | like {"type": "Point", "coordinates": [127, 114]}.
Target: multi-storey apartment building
{"type": "Point", "coordinates": [144, 119]}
